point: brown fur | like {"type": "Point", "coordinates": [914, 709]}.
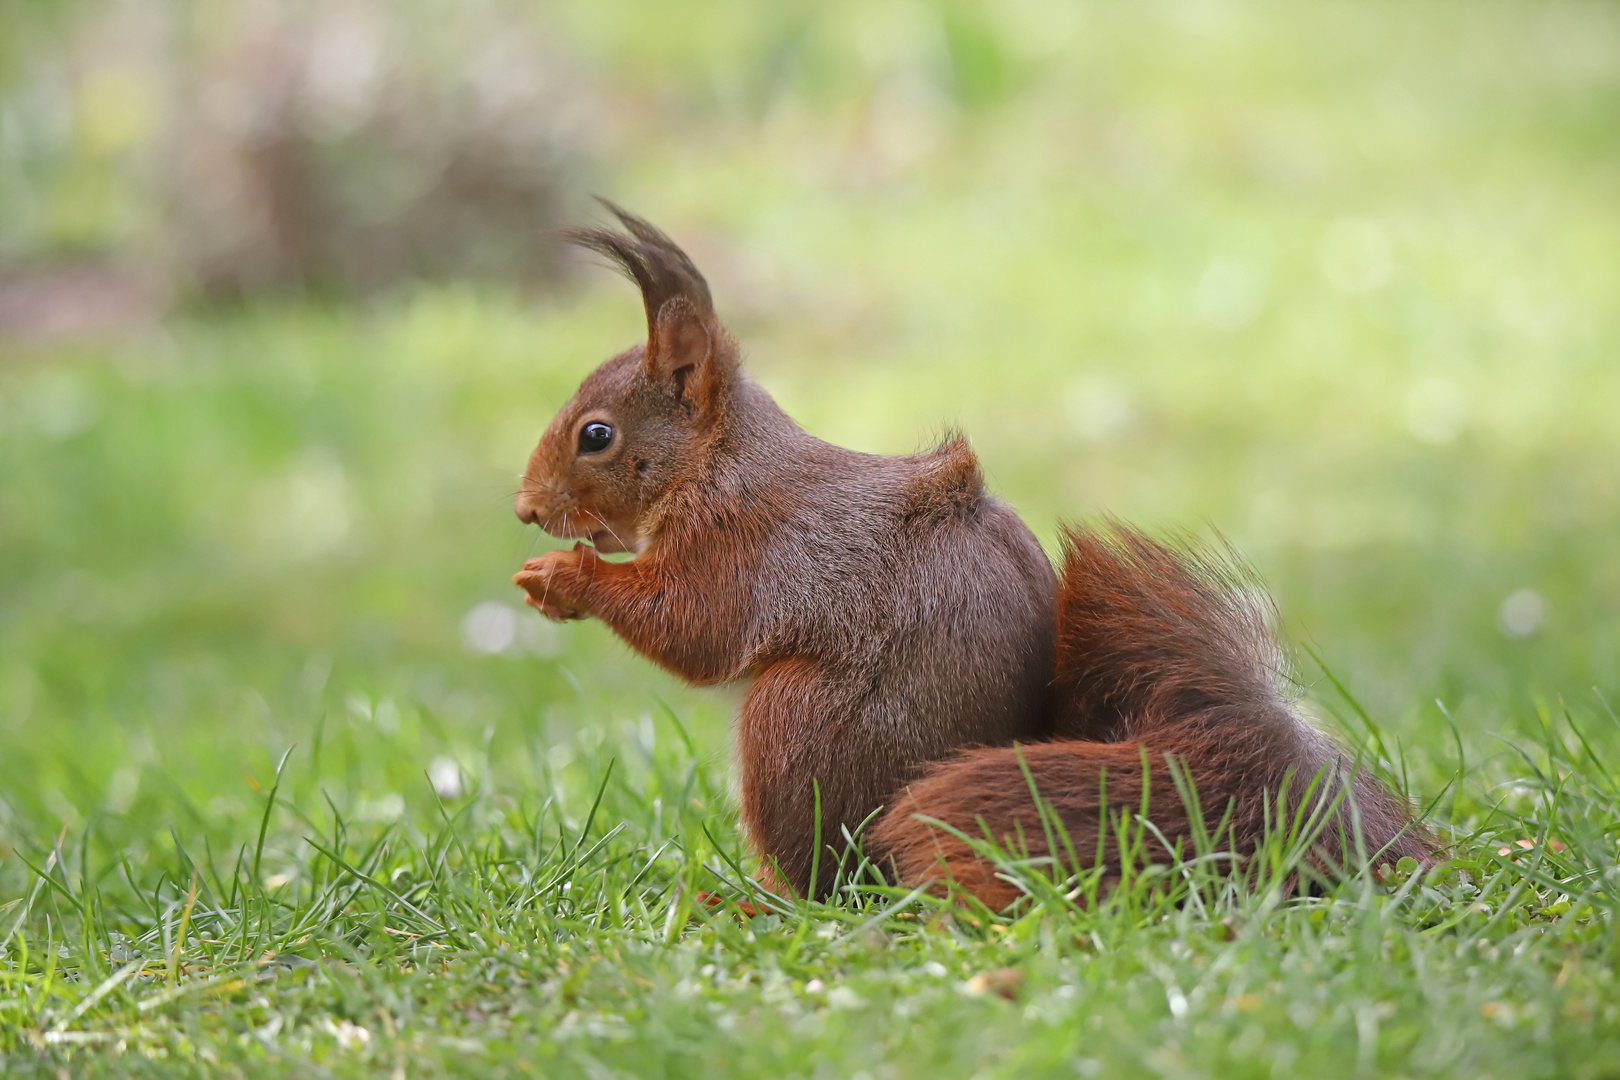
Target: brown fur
{"type": "Point", "coordinates": [1161, 653]}
{"type": "Point", "coordinates": [888, 612]}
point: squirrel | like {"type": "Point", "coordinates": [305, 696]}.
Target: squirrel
{"type": "Point", "coordinates": [908, 649]}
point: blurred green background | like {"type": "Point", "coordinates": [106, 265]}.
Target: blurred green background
{"type": "Point", "coordinates": [280, 318]}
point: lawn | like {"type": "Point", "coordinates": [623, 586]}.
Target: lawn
{"type": "Point", "coordinates": [292, 784]}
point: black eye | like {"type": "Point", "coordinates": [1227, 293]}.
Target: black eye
{"type": "Point", "coordinates": [594, 438]}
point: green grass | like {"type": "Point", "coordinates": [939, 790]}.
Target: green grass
{"type": "Point", "coordinates": [529, 935]}
{"type": "Point", "coordinates": [1334, 279]}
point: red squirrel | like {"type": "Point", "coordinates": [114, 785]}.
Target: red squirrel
{"type": "Point", "coordinates": [908, 648]}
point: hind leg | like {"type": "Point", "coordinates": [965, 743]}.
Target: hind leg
{"type": "Point", "coordinates": [1085, 784]}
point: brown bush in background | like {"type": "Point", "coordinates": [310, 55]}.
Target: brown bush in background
{"type": "Point", "coordinates": [284, 147]}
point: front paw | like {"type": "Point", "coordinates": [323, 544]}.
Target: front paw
{"type": "Point", "coordinates": [552, 581]}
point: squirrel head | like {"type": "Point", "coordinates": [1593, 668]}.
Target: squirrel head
{"type": "Point", "coordinates": [645, 420]}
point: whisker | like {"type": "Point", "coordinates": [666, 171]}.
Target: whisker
{"type": "Point", "coordinates": [609, 528]}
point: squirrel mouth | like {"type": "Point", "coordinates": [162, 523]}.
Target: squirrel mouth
{"type": "Point", "coordinates": [571, 526]}
{"type": "Point", "coordinates": [606, 542]}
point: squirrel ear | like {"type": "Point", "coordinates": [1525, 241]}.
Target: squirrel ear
{"type": "Point", "coordinates": [688, 352]}
{"type": "Point", "coordinates": [682, 356]}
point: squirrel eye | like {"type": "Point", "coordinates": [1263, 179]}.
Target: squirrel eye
{"type": "Point", "coordinates": [595, 437]}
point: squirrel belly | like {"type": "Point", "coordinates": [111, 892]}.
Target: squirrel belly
{"type": "Point", "coordinates": [1162, 655]}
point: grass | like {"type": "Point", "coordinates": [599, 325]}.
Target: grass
{"type": "Point", "coordinates": [289, 784]}
{"type": "Point", "coordinates": [553, 931]}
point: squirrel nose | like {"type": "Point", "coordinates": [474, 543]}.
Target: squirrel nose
{"type": "Point", "coordinates": [526, 511]}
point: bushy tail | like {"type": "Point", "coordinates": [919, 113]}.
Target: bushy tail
{"type": "Point", "coordinates": [1163, 653]}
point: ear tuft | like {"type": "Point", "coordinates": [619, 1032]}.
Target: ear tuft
{"type": "Point", "coordinates": [653, 261]}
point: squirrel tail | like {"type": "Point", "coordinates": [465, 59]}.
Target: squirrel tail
{"type": "Point", "coordinates": [1163, 654]}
